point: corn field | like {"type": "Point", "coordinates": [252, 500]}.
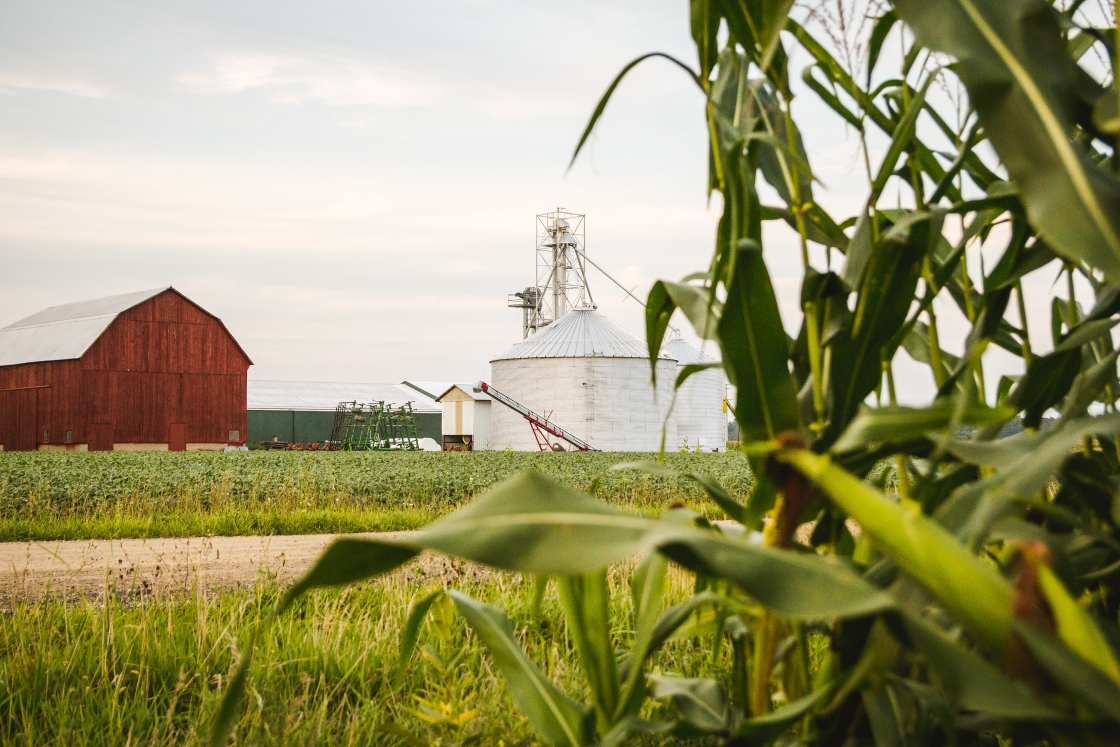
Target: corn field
{"type": "Point", "coordinates": [976, 603]}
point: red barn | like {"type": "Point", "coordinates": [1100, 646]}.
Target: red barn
{"type": "Point", "coordinates": [147, 370]}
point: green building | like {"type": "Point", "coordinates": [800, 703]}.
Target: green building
{"type": "Point", "coordinates": [303, 411]}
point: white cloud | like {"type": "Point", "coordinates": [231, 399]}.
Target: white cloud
{"type": "Point", "coordinates": [72, 85]}
{"type": "Point", "coordinates": [296, 79]}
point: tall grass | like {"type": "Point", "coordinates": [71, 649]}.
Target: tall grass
{"type": "Point", "coordinates": [152, 672]}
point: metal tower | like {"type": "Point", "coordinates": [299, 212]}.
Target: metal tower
{"type": "Point", "coordinates": [561, 279]}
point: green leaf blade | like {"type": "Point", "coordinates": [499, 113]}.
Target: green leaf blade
{"type": "Point", "coordinates": [559, 720]}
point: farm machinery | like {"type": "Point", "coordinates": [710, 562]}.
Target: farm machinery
{"type": "Point", "coordinates": [375, 426]}
{"type": "Point", "coordinates": [541, 425]}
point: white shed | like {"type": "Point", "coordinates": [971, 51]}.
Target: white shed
{"type": "Point", "coordinates": [466, 418]}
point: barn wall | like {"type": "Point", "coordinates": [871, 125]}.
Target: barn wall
{"type": "Point", "coordinates": [39, 402]}
{"type": "Point", "coordinates": [166, 361]}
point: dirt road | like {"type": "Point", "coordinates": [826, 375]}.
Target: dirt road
{"type": "Point", "coordinates": [88, 567]}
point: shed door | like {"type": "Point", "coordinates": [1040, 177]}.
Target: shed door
{"type": "Point", "coordinates": [101, 437]}
{"type": "Point", "coordinates": [177, 438]}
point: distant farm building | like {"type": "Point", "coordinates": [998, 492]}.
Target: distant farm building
{"type": "Point", "coordinates": [150, 370]}
{"type": "Point", "coordinates": [466, 418]}
{"type": "Point", "coordinates": [294, 412]}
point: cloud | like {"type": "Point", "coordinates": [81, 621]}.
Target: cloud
{"type": "Point", "coordinates": [521, 101]}
{"type": "Point", "coordinates": [297, 79]}
{"type": "Point", "coordinates": [71, 85]}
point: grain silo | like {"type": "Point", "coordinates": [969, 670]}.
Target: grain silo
{"type": "Point", "coordinates": [575, 367]}
{"type": "Point", "coordinates": [590, 376]}
{"type": "Point", "coordinates": [699, 410]}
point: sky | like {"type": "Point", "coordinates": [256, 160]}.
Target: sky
{"type": "Point", "coordinates": [352, 186]}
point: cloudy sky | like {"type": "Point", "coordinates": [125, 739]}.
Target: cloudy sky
{"type": "Point", "coordinates": [351, 186]}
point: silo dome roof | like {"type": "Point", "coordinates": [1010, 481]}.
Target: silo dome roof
{"type": "Point", "coordinates": [581, 333]}
{"type": "Point", "coordinates": [685, 353]}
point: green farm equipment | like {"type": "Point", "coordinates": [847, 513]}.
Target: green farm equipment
{"type": "Point", "coordinates": [375, 426]}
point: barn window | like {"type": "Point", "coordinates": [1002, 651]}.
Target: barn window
{"type": "Point", "coordinates": [69, 436]}
{"type": "Point", "coordinates": [235, 435]}
{"type": "Point", "coordinates": [46, 435]}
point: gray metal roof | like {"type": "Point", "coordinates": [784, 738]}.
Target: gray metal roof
{"type": "Point", "coordinates": [685, 353]}
{"type": "Point", "coordinates": [581, 333]}
{"type": "Point", "coordinates": [468, 388]}
{"type": "Point", "coordinates": [64, 332]}
{"type": "Point", "coordinates": [324, 396]}
{"type": "Point", "coordinates": [436, 389]}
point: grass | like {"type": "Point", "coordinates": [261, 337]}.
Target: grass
{"type": "Point", "coordinates": [59, 496]}
{"type": "Point", "coordinates": [225, 522]}
{"type": "Point", "coordinates": [152, 671]}
{"type": "Point", "coordinates": [127, 671]}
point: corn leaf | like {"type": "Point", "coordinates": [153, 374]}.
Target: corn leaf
{"type": "Point", "coordinates": [411, 631]}
{"type": "Point", "coordinates": [885, 292]}
{"type": "Point", "coordinates": [896, 424]}
{"type": "Point", "coordinates": [883, 26]}
{"type": "Point", "coordinates": [557, 718]}
{"type": "Point", "coordinates": [1072, 673]}
{"type": "Point", "coordinates": [766, 728]}
{"type": "Point", "coordinates": [705, 17]}
{"type": "Point", "coordinates": [970, 682]}
{"type": "Point", "coordinates": [586, 602]}
{"type": "Point", "coordinates": [614, 84]}
{"type": "Point", "coordinates": [970, 589]}
{"type": "Point", "coordinates": [794, 585]}
{"type": "Point", "coordinates": [699, 305]}
{"type": "Point", "coordinates": [1076, 627]}
{"type": "Point", "coordinates": [647, 586]}
{"type": "Point", "coordinates": [1012, 58]}
{"type": "Point", "coordinates": [755, 351]}
{"type": "Point", "coordinates": [701, 705]}
{"type": "Point", "coordinates": [1025, 463]}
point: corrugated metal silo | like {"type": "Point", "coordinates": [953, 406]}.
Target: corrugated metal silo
{"type": "Point", "coordinates": [701, 420]}
{"type": "Point", "coordinates": [594, 379]}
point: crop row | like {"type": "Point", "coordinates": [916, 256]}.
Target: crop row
{"type": "Point", "coordinates": [68, 481]}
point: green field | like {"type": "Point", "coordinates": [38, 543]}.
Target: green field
{"type": "Point", "coordinates": [52, 496]}
{"type": "Point", "coordinates": [152, 670]}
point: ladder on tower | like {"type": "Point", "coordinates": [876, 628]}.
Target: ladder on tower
{"type": "Point", "coordinates": [535, 421]}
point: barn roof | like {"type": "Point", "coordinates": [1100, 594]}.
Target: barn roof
{"type": "Point", "coordinates": [64, 332]}
{"type": "Point", "coordinates": [324, 396]}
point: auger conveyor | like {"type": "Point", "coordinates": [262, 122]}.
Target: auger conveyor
{"type": "Point", "coordinates": [535, 421]}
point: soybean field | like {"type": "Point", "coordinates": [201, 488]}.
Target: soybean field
{"type": "Point", "coordinates": [48, 496]}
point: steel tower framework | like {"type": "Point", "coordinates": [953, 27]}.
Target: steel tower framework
{"type": "Point", "coordinates": [561, 271]}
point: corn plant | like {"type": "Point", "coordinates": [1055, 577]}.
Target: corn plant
{"type": "Point", "coordinates": [974, 602]}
